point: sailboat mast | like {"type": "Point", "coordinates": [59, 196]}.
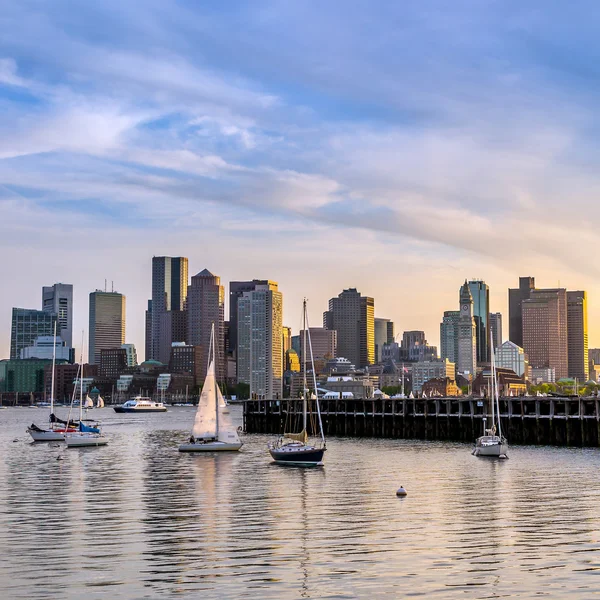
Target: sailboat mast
{"type": "Point", "coordinates": [81, 381]}
{"type": "Point", "coordinates": [312, 364]}
{"type": "Point", "coordinates": [53, 366]}
{"type": "Point", "coordinates": [212, 349]}
{"type": "Point", "coordinates": [305, 347]}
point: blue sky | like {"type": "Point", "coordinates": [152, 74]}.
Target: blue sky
{"type": "Point", "coordinates": [397, 148]}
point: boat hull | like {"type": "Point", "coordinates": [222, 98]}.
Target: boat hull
{"type": "Point", "coordinates": [211, 447]}
{"type": "Point", "coordinates": [46, 436]}
{"type": "Point", "coordinates": [497, 450]}
{"type": "Point", "coordinates": [306, 457]}
{"type": "Point", "coordinates": [79, 441]}
{"type": "Point", "coordinates": [120, 409]}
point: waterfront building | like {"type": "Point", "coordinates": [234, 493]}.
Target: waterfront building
{"type": "Point", "coordinates": [43, 347]}
{"type": "Point", "coordinates": [259, 340]}
{"type": "Point", "coordinates": [594, 362]}
{"type": "Point", "coordinates": [496, 329]}
{"type": "Point", "coordinates": [480, 293]}
{"type": "Point", "coordinates": [106, 323]}
{"type": "Point", "coordinates": [131, 354]}
{"type": "Point", "coordinates": [205, 308]}
{"type": "Point", "coordinates": [467, 335]}
{"type": "Point", "coordinates": [23, 375]}
{"type": "Point", "coordinates": [449, 335]}
{"type": "Point", "coordinates": [441, 386]}
{"type": "Point", "coordinates": [172, 328]}
{"type": "Point", "coordinates": [64, 379]}
{"type": "Point", "coordinates": [384, 334]}
{"type": "Point", "coordinates": [26, 326]}
{"type": "Point", "coordinates": [58, 299]}
{"type": "Point", "coordinates": [190, 360]}
{"type": "Point", "coordinates": [113, 361]}
{"type": "Point", "coordinates": [545, 338]}
{"type": "Point", "coordinates": [509, 383]}
{"type": "Point", "coordinates": [577, 335]}
{"type": "Point", "coordinates": [431, 369]}
{"type": "Point", "coordinates": [352, 316]}
{"type": "Point", "coordinates": [169, 291]}
{"type": "Point", "coordinates": [543, 375]}
{"type": "Point", "coordinates": [358, 387]}
{"type": "Point", "coordinates": [515, 312]}
{"type": "Point", "coordinates": [510, 356]}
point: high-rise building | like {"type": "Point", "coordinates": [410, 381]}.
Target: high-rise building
{"type": "Point", "coordinates": [545, 338]}
{"type": "Point", "coordinates": [169, 290]}
{"type": "Point", "coordinates": [107, 323]}
{"type": "Point", "coordinates": [449, 335]}
{"type": "Point", "coordinates": [205, 308]}
{"type": "Point", "coordinates": [480, 292]}
{"type": "Point", "coordinates": [46, 346]}
{"type": "Point", "coordinates": [353, 317]}
{"type": "Point", "coordinates": [113, 361]}
{"type": "Point", "coordinates": [260, 340]}
{"type": "Point", "coordinates": [577, 335]}
{"type": "Point", "coordinates": [510, 356]}
{"type": "Point", "coordinates": [496, 329]}
{"type": "Point", "coordinates": [515, 312]}
{"type": "Point", "coordinates": [131, 354]}
{"type": "Point", "coordinates": [323, 342]}
{"type": "Point", "coordinates": [467, 335]}
{"type": "Point", "coordinates": [384, 334]}
{"type": "Point", "coordinates": [58, 299]}
{"type": "Point", "coordinates": [188, 359]}
{"type": "Point", "coordinates": [415, 347]}
{"type": "Point", "coordinates": [148, 340]}
{"type": "Point", "coordinates": [172, 329]}
{"type": "Point", "coordinates": [26, 326]}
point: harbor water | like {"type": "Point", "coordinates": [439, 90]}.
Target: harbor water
{"type": "Point", "coordinates": [137, 519]}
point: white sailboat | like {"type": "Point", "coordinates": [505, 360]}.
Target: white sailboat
{"type": "Point", "coordinates": [86, 436]}
{"type": "Point", "coordinates": [213, 430]}
{"type": "Point", "coordinates": [492, 442]}
{"type": "Point", "coordinates": [57, 429]}
{"type": "Point", "coordinates": [89, 403]}
{"type": "Point", "coordinates": [100, 402]}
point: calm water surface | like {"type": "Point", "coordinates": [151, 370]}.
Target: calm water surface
{"type": "Point", "coordinates": [137, 519]}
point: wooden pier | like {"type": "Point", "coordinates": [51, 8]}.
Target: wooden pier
{"type": "Point", "coordinates": [556, 421]}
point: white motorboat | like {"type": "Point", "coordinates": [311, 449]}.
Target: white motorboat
{"type": "Point", "coordinates": [213, 430]}
{"type": "Point", "coordinates": [140, 404]}
{"type": "Point", "coordinates": [492, 443]}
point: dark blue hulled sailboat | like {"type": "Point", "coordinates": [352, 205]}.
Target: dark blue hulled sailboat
{"type": "Point", "coordinates": [293, 448]}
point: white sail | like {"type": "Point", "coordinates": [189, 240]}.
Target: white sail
{"type": "Point", "coordinates": [205, 423]}
{"type": "Point", "coordinates": [89, 403]}
{"type": "Point", "coordinates": [100, 402]}
{"type": "Point", "coordinates": [227, 431]}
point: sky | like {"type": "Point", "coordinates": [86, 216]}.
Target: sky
{"type": "Point", "coordinates": [395, 147]}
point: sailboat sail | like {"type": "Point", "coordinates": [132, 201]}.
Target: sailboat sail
{"type": "Point", "coordinates": [226, 430]}
{"type": "Point", "coordinates": [89, 403]}
{"type": "Point", "coordinates": [100, 402]}
{"type": "Point", "coordinates": [205, 423]}
{"type": "Point", "coordinates": [298, 437]}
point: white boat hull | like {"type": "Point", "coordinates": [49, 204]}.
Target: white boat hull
{"type": "Point", "coordinates": [497, 450]}
{"type": "Point", "coordinates": [85, 441]}
{"type": "Point", "coordinates": [211, 447]}
{"type": "Point", "coordinates": [46, 436]}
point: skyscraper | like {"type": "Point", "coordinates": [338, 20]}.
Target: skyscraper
{"type": "Point", "coordinates": [353, 317]}
{"type": "Point", "coordinates": [58, 299]}
{"type": "Point", "coordinates": [577, 335]}
{"type": "Point", "coordinates": [384, 334]}
{"type": "Point", "coordinates": [26, 326]}
{"type": "Point", "coordinates": [480, 292]}
{"type": "Point", "coordinates": [169, 290]}
{"type": "Point", "coordinates": [467, 340]}
{"type": "Point", "coordinates": [148, 340]}
{"type": "Point", "coordinates": [107, 323]}
{"type": "Point", "coordinates": [545, 338]}
{"type": "Point", "coordinates": [449, 336]}
{"type": "Point", "coordinates": [260, 340]}
{"type": "Point", "coordinates": [205, 307]}
{"type": "Point", "coordinates": [515, 312]}
{"type": "Point", "coordinates": [496, 329]}
{"type": "Point", "coordinates": [236, 290]}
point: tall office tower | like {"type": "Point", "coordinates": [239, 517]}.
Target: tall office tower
{"type": "Point", "coordinates": [169, 290]}
{"type": "Point", "coordinates": [515, 312]}
{"type": "Point", "coordinates": [205, 308]}
{"type": "Point", "coordinates": [260, 340]}
{"type": "Point", "coordinates": [236, 290]}
{"type": "Point", "coordinates": [286, 342]}
{"type": "Point", "coordinates": [496, 329]}
{"type": "Point", "coordinates": [26, 326]}
{"type": "Point", "coordinates": [415, 347]}
{"type": "Point", "coordinates": [172, 329]}
{"type": "Point", "coordinates": [577, 335]}
{"type": "Point", "coordinates": [323, 342]}
{"type": "Point", "coordinates": [449, 336]}
{"type": "Point", "coordinates": [58, 299]}
{"type": "Point", "coordinates": [384, 334]}
{"type": "Point", "coordinates": [107, 323]}
{"type": "Point", "coordinates": [480, 293]}
{"type": "Point", "coordinates": [545, 338]}
{"type": "Point", "coordinates": [148, 341]}
{"type": "Point", "coordinates": [467, 334]}
{"type": "Point", "coordinates": [130, 354]}
{"type": "Point", "coordinates": [353, 317]}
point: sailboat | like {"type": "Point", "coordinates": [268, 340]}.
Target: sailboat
{"type": "Point", "coordinates": [213, 430]}
{"type": "Point", "coordinates": [89, 403]}
{"type": "Point", "coordinates": [293, 448]}
{"type": "Point", "coordinates": [86, 436]}
{"type": "Point", "coordinates": [492, 442]}
{"type": "Point", "coordinates": [100, 402]}
{"type": "Point", "coordinates": [58, 428]}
